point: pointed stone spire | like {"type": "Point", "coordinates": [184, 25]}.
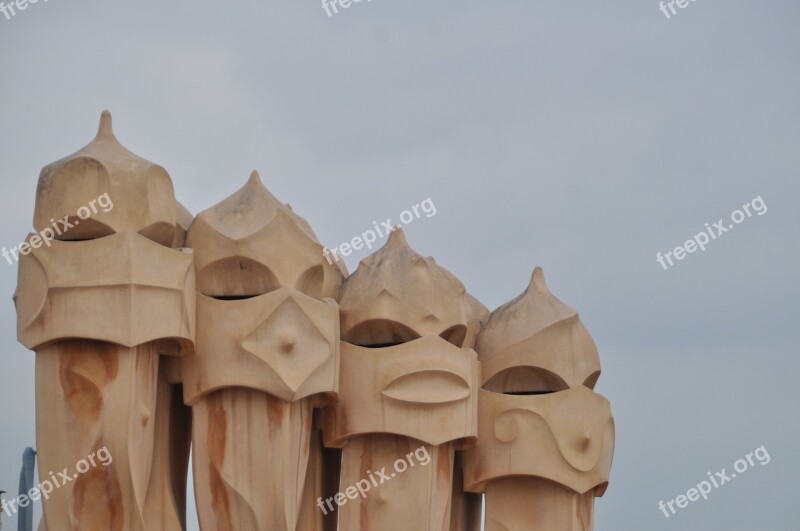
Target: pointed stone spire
{"type": "Point", "coordinates": [251, 243]}
{"type": "Point", "coordinates": [537, 330]}
{"type": "Point", "coordinates": [141, 192]}
{"type": "Point", "coordinates": [105, 130]}
{"type": "Point", "coordinates": [426, 299]}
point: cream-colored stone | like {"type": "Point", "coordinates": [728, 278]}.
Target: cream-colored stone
{"type": "Point", "coordinates": [545, 440]}
{"type": "Point", "coordinates": [408, 377]}
{"type": "Point", "coordinates": [385, 390]}
{"type": "Point", "coordinates": [100, 305]}
{"type": "Point", "coordinates": [266, 354]}
{"type": "Point", "coordinates": [123, 288]}
{"type": "Point", "coordinates": [141, 192]}
{"type": "Point", "coordinates": [243, 325]}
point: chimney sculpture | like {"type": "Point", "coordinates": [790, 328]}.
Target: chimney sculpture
{"type": "Point", "coordinates": [99, 304]}
{"type": "Point", "coordinates": [303, 414]}
{"type": "Point", "coordinates": [408, 382]}
{"type": "Point", "coordinates": [267, 353]}
{"type": "Point", "coordinates": [546, 439]}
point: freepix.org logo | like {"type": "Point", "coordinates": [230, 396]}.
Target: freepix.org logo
{"type": "Point", "coordinates": [56, 481]}
{"type": "Point", "coordinates": [11, 9]}
{"type": "Point", "coordinates": [712, 232]}
{"type": "Point", "coordinates": [59, 227]}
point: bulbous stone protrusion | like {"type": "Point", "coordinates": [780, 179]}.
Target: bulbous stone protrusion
{"type": "Point", "coordinates": [397, 295]}
{"type": "Point", "coordinates": [141, 193]}
{"type": "Point", "coordinates": [241, 248]}
{"type": "Point", "coordinates": [536, 343]}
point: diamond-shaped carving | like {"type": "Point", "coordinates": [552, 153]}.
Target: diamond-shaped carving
{"type": "Point", "coordinates": [290, 343]}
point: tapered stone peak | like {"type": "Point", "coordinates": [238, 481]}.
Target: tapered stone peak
{"type": "Point", "coordinates": [141, 191]}
{"type": "Point", "coordinates": [105, 128]}
{"type": "Point", "coordinates": [249, 210]}
{"type": "Point", "coordinates": [397, 295]}
{"type": "Point", "coordinates": [251, 243]}
{"type": "Point", "coordinates": [533, 312]}
{"type": "Point", "coordinates": [106, 148]}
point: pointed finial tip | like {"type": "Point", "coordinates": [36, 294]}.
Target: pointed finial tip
{"type": "Point", "coordinates": [397, 237]}
{"type": "Point", "coordinates": [105, 128]}
{"type": "Point", "coordinates": [537, 280]}
{"type": "Point", "coordinates": [255, 178]}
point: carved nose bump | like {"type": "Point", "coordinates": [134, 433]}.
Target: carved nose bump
{"type": "Point", "coordinates": [584, 439]}
{"type": "Point", "coordinates": [287, 345]}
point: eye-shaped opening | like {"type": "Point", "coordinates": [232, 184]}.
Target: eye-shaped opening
{"type": "Point", "coordinates": [526, 381]}
{"type": "Point", "coordinates": [312, 282]}
{"type": "Point", "coordinates": [455, 335]}
{"type": "Point", "coordinates": [236, 278]}
{"type": "Point", "coordinates": [75, 229]}
{"type": "Point", "coordinates": [378, 333]}
{"type": "Point", "coordinates": [591, 380]}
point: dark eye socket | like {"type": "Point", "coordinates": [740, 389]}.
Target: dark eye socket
{"type": "Point", "coordinates": [526, 381]}
{"type": "Point", "coordinates": [379, 333]}
{"type": "Point", "coordinates": [236, 278]}
{"type": "Point", "coordinates": [455, 335]}
{"type": "Point", "coordinates": [312, 282]}
{"type": "Point", "coordinates": [591, 380]}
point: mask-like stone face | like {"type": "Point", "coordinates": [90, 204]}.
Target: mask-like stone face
{"type": "Point", "coordinates": [146, 289]}
{"type": "Point", "coordinates": [266, 317]}
{"type": "Point", "coordinates": [536, 343]}
{"type": "Point", "coordinates": [409, 324]}
{"type": "Point", "coordinates": [130, 194]}
{"type": "Point", "coordinates": [251, 244]}
{"type": "Point", "coordinates": [539, 415]}
{"type": "Point", "coordinates": [396, 296]}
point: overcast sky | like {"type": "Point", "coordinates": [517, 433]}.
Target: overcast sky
{"type": "Point", "coordinates": [581, 136]}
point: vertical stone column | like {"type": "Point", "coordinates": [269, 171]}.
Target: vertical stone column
{"type": "Point", "coordinates": [408, 382]}
{"type": "Point", "coordinates": [165, 504]}
{"type": "Point", "coordinates": [267, 354]}
{"type": "Point", "coordinates": [546, 439]}
{"type": "Point", "coordinates": [99, 304]}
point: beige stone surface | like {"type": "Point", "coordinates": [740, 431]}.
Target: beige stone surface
{"type": "Point", "coordinates": [266, 354]}
{"type": "Point", "coordinates": [231, 334]}
{"type": "Point", "coordinates": [100, 306]}
{"type": "Point", "coordinates": [408, 378]}
{"type": "Point", "coordinates": [546, 439]}
{"type": "Point", "coordinates": [141, 191]}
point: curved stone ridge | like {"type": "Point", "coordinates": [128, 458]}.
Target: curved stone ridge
{"type": "Point", "coordinates": [157, 333]}
{"type": "Point", "coordinates": [397, 295]}
{"type": "Point", "coordinates": [141, 191]}
{"type": "Point", "coordinates": [250, 244]}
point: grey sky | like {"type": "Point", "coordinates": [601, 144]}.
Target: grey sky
{"type": "Point", "coordinates": [581, 136]}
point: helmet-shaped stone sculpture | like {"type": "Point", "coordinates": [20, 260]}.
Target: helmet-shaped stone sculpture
{"type": "Point", "coordinates": [405, 324]}
{"type": "Point", "coordinates": [144, 201]}
{"type": "Point", "coordinates": [101, 296]}
{"type": "Point", "coordinates": [267, 353]}
{"type": "Point", "coordinates": [546, 439]}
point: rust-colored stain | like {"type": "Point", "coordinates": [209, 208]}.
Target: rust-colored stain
{"type": "Point", "coordinates": [275, 412]}
{"type": "Point", "coordinates": [217, 439]}
{"type": "Point", "coordinates": [99, 483]}
{"type": "Point", "coordinates": [366, 460]}
{"type": "Point", "coordinates": [85, 369]}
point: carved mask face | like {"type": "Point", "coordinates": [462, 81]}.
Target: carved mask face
{"type": "Point", "coordinates": [539, 366]}
{"type": "Point", "coordinates": [265, 316]}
